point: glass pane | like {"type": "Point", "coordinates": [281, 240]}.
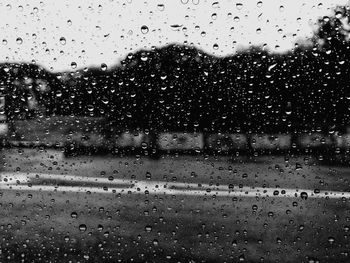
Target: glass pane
{"type": "Point", "coordinates": [174, 131]}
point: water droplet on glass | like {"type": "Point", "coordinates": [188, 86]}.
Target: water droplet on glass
{"type": "Point", "coordinates": [82, 227]}
{"type": "Point", "coordinates": [339, 15]}
{"type": "Point", "coordinates": [103, 67]}
{"type": "Point", "coordinates": [62, 41]}
{"type": "Point", "coordinates": [303, 195]}
{"type": "Point", "coordinates": [298, 166]}
{"type": "Point", "coordinates": [148, 228]}
{"type": "Point", "coordinates": [74, 215]}
{"type": "Point", "coordinates": [161, 7]}
{"type": "Point", "coordinates": [176, 27]}
{"type": "Point", "coordinates": [215, 5]}
{"type": "Point", "coordinates": [144, 29]}
{"type": "Point", "coordinates": [19, 41]}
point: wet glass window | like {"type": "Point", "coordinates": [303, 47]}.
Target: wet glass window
{"type": "Point", "coordinates": [174, 131]}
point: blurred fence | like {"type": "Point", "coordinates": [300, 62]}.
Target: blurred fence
{"type": "Point", "coordinates": [57, 132]}
{"type": "Point", "coordinates": [224, 143]}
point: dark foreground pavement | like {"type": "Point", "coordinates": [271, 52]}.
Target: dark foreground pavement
{"type": "Point", "coordinates": [43, 226]}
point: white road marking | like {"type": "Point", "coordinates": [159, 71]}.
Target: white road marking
{"type": "Point", "coordinates": [21, 182]}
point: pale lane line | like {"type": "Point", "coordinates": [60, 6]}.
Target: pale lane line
{"type": "Point", "coordinates": [27, 177]}
{"type": "Point", "coordinates": [17, 181]}
{"type": "Point", "coordinates": [13, 178]}
{"type": "Point", "coordinates": [137, 189]}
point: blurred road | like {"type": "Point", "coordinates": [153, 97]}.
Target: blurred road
{"type": "Point", "coordinates": [179, 208]}
{"type": "Point", "coordinates": [221, 172]}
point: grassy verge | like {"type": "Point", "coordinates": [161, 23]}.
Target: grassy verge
{"type": "Point", "coordinates": [52, 130]}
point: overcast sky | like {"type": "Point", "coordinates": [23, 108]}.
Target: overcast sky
{"type": "Point", "coordinates": [62, 35]}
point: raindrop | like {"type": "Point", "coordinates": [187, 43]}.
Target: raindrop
{"type": "Point", "coordinates": [289, 108]}
{"type": "Point", "coordinates": [161, 7]}
{"type": "Point", "coordinates": [90, 107]}
{"type": "Point", "coordinates": [339, 15]}
{"type": "Point", "coordinates": [298, 166]}
{"type": "Point", "coordinates": [62, 41]}
{"type": "Point", "coordinates": [148, 228]}
{"type": "Point", "coordinates": [103, 67]}
{"type": "Point", "coordinates": [239, 6]}
{"type": "Point", "coordinates": [331, 240]}
{"type": "Point", "coordinates": [241, 258]}
{"type": "Point", "coordinates": [144, 29]}
{"type": "Point", "coordinates": [73, 65]}
{"type": "Point", "coordinates": [19, 40]}
{"type": "Point", "coordinates": [176, 27]}
{"type": "Point", "coordinates": [303, 195]}
{"type": "Point", "coordinates": [82, 227]}
{"type": "Point", "coordinates": [215, 5]}
{"type": "Point", "coordinates": [74, 215]}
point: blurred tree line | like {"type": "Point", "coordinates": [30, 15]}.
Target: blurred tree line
{"type": "Point", "coordinates": [181, 88]}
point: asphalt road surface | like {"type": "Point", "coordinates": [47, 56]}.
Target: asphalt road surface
{"type": "Point", "coordinates": [176, 209]}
